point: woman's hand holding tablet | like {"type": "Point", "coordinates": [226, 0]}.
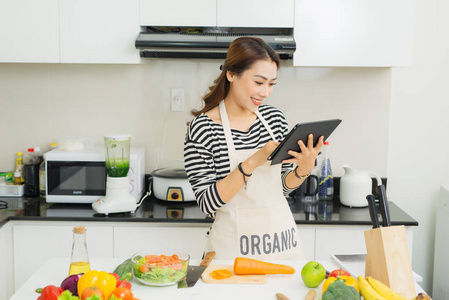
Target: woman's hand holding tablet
{"type": "Point", "coordinates": [301, 131]}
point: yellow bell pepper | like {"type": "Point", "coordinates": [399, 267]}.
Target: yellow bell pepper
{"type": "Point", "coordinates": [349, 281]}
{"type": "Point", "coordinates": [99, 279]}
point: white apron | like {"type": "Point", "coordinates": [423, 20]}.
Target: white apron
{"type": "Point", "coordinates": [257, 222]}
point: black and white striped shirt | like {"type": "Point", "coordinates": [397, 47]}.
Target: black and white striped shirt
{"type": "Point", "coordinates": [206, 153]}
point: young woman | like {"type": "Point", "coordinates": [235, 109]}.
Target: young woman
{"type": "Point", "coordinates": [226, 150]}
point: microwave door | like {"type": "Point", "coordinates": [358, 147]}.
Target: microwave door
{"type": "Point", "coordinates": [75, 182]}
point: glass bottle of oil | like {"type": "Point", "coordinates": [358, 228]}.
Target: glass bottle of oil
{"type": "Point", "coordinates": [79, 262]}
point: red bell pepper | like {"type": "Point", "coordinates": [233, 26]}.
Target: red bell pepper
{"type": "Point", "coordinates": [50, 292]}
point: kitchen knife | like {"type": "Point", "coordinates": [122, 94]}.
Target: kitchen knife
{"type": "Point", "coordinates": [383, 205]}
{"type": "Point", "coordinates": [373, 210]}
{"type": "Point", "coordinates": [194, 272]}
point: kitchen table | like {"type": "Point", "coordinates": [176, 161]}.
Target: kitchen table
{"type": "Point", "coordinates": [54, 270]}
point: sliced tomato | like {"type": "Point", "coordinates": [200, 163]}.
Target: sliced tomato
{"type": "Point", "coordinates": [152, 258]}
{"type": "Point", "coordinates": [161, 261]}
{"type": "Point", "coordinates": [144, 268]}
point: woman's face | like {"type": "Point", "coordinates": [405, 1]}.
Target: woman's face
{"type": "Point", "coordinates": [250, 88]}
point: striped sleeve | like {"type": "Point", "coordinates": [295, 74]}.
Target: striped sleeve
{"type": "Point", "coordinates": [201, 171]}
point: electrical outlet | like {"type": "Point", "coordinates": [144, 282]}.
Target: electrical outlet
{"type": "Point", "coordinates": [177, 99]}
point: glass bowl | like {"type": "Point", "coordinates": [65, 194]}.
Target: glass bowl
{"type": "Point", "coordinates": [160, 267]}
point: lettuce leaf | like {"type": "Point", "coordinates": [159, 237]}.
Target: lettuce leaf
{"type": "Point", "coordinates": [98, 297]}
{"type": "Point", "coordinates": [162, 275]}
{"type": "Point", "coordinates": [67, 295]}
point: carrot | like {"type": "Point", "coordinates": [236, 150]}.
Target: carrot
{"type": "Point", "coordinates": [220, 274]}
{"type": "Point", "coordinates": [247, 266]}
{"type": "Point", "coordinates": [216, 276]}
{"type": "Point", "coordinates": [223, 272]}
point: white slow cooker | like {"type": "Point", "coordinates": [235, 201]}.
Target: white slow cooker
{"type": "Point", "coordinates": [172, 184]}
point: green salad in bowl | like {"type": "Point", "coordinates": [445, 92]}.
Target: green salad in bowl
{"type": "Point", "coordinates": [160, 268]}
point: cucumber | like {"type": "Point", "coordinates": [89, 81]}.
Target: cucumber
{"type": "Point", "coordinates": [124, 269]}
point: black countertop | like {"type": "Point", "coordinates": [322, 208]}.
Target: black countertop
{"type": "Point", "coordinates": [154, 210]}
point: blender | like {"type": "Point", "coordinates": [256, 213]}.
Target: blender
{"type": "Point", "coordinates": [118, 198]}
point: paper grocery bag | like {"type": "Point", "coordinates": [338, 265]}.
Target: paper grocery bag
{"type": "Point", "coordinates": [388, 259]}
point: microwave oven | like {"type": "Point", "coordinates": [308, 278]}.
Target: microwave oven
{"type": "Point", "coordinates": [80, 176]}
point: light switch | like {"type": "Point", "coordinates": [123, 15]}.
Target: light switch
{"type": "Point", "coordinates": [177, 99]}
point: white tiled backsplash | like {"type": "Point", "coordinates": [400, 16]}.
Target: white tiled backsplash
{"type": "Point", "coordinates": [44, 103]}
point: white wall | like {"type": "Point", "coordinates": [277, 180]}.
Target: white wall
{"type": "Point", "coordinates": [418, 155]}
{"type": "Point", "coordinates": [44, 103]}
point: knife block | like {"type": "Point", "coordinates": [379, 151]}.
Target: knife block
{"type": "Point", "coordinates": [388, 259]}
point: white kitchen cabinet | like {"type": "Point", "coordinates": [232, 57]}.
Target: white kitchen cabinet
{"type": "Point", "coordinates": [372, 33]}
{"type": "Point", "coordinates": [223, 13]}
{"type": "Point", "coordinates": [6, 265]}
{"type": "Point", "coordinates": [36, 242]}
{"type": "Point", "coordinates": [188, 238]}
{"type": "Point", "coordinates": [99, 31]}
{"type": "Point", "coordinates": [29, 31]}
{"type": "Point", "coordinates": [345, 240]}
{"type": "Point", "coordinates": [307, 236]}
{"type": "Point", "coordinates": [178, 13]}
{"type": "Point", "coordinates": [255, 13]}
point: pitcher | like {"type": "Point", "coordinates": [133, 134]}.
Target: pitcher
{"type": "Point", "coordinates": [355, 186]}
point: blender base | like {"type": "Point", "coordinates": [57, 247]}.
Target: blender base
{"type": "Point", "coordinates": [117, 199]}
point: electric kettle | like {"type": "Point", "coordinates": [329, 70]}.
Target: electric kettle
{"type": "Point", "coordinates": [355, 186]}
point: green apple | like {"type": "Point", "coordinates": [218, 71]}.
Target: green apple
{"type": "Point", "coordinates": [313, 273]}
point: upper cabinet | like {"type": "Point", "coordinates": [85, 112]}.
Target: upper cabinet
{"type": "Point", "coordinates": [372, 33]}
{"type": "Point", "coordinates": [255, 13]}
{"type": "Point", "coordinates": [29, 31]}
{"type": "Point", "coordinates": [224, 13]}
{"type": "Point", "coordinates": [81, 31]}
{"type": "Point", "coordinates": [200, 13]}
{"type": "Point", "coordinates": [100, 31]}
{"type": "Point", "coordinates": [328, 33]}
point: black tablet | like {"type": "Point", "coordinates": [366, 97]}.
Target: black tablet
{"type": "Point", "coordinates": [301, 131]}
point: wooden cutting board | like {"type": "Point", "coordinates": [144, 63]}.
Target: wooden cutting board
{"type": "Point", "coordinates": [234, 279]}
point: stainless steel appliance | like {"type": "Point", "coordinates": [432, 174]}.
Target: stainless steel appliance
{"type": "Point", "coordinates": [80, 176]}
{"type": "Point", "coordinates": [208, 42]}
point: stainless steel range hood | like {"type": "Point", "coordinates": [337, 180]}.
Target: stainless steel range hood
{"type": "Point", "coordinates": [212, 43]}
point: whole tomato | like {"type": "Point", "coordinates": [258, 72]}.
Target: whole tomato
{"type": "Point", "coordinates": [339, 272]}
{"type": "Point", "coordinates": [122, 293]}
{"type": "Point", "coordinates": [90, 291]}
{"type": "Point", "coordinates": [124, 283]}
{"type": "Point", "coordinates": [50, 292]}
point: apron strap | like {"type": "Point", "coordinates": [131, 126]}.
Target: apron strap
{"type": "Point", "coordinates": [227, 127]}
{"type": "Point", "coordinates": [265, 123]}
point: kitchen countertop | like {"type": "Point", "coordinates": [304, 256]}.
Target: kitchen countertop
{"type": "Point", "coordinates": [54, 270]}
{"type": "Point", "coordinates": [154, 210]}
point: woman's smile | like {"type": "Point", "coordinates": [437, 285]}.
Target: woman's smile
{"type": "Point", "coordinates": [256, 101]}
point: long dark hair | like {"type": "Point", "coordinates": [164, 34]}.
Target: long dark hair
{"type": "Point", "coordinates": [242, 54]}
